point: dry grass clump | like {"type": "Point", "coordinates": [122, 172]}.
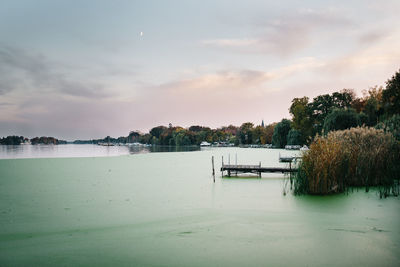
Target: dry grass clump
{"type": "Point", "coordinates": [359, 156]}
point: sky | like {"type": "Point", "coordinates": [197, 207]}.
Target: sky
{"type": "Point", "coordinates": [88, 69]}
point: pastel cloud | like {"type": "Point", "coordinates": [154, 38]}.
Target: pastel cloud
{"type": "Point", "coordinates": [24, 71]}
{"type": "Point", "coordinates": [380, 55]}
{"type": "Point", "coordinates": [219, 83]}
{"type": "Point", "coordinates": [232, 42]}
{"type": "Point", "coordinates": [286, 34]}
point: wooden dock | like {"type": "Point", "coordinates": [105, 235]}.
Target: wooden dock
{"type": "Point", "coordinates": [256, 169]}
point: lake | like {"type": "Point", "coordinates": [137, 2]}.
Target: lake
{"type": "Point", "coordinates": [84, 150]}
{"type": "Point", "coordinates": [125, 208]}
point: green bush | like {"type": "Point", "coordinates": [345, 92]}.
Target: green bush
{"type": "Point", "coordinates": [341, 119]}
{"type": "Point", "coordinates": [391, 125]}
{"type": "Point", "coordinates": [294, 137]}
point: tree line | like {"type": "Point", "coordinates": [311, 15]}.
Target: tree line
{"type": "Point", "coordinates": [245, 134]}
{"type": "Point", "coordinates": [378, 107]}
{"type": "Point", "coordinates": [17, 140]}
{"type": "Point", "coordinates": [341, 155]}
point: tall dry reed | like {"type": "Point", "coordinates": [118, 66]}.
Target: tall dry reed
{"type": "Point", "coordinates": [359, 156]}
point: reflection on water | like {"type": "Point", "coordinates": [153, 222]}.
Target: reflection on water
{"type": "Point", "coordinates": [172, 148]}
{"type": "Point", "coordinates": [148, 149]}
{"type": "Point", "coordinates": [72, 150]}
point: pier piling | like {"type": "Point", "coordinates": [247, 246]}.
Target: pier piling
{"type": "Point", "coordinates": [213, 170]}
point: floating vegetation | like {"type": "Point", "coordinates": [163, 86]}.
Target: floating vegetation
{"type": "Point", "coordinates": [355, 157]}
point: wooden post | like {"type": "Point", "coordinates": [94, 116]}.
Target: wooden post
{"type": "Point", "coordinates": [222, 170]}
{"type": "Point", "coordinates": [236, 163]}
{"type": "Point", "coordinates": [213, 170]}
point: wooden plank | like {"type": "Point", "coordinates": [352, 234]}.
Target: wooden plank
{"type": "Point", "coordinates": [255, 168]}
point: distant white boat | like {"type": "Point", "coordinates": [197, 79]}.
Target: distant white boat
{"type": "Point", "coordinates": [204, 143]}
{"type": "Point", "coordinates": [304, 148]}
{"type": "Point", "coordinates": [292, 147]}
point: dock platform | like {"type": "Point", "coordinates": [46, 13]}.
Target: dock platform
{"type": "Point", "coordinates": [257, 169]}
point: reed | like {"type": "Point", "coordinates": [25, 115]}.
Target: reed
{"type": "Point", "coordinates": [359, 156]}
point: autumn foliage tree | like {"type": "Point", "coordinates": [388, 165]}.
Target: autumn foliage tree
{"type": "Point", "coordinates": [391, 95]}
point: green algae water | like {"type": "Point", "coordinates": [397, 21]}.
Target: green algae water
{"type": "Point", "coordinates": [163, 209]}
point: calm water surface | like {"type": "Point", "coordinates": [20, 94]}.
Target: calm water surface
{"type": "Point", "coordinates": [87, 150]}
{"type": "Point", "coordinates": [162, 209]}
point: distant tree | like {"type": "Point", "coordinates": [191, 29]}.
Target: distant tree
{"type": "Point", "coordinates": [369, 106]}
{"type": "Point", "coordinates": [204, 135]}
{"type": "Point", "coordinates": [178, 136]}
{"type": "Point", "coordinates": [391, 95]}
{"type": "Point", "coordinates": [363, 119]}
{"type": "Point", "coordinates": [269, 132]}
{"type": "Point", "coordinates": [259, 135]}
{"type": "Point", "coordinates": [281, 130]}
{"type": "Point", "coordinates": [157, 131]}
{"type": "Point", "coordinates": [133, 137]}
{"type": "Point", "coordinates": [391, 125]}
{"type": "Point", "coordinates": [215, 137]}
{"type": "Point", "coordinates": [145, 138]}
{"type": "Point", "coordinates": [182, 137]}
{"type": "Point", "coordinates": [341, 119]}
{"type": "Point", "coordinates": [228, 133]}
{"type": "Point", "coordinates": [234, 140]}
{"type": "Point", "coordinates": [373, 94]}
{"type": "Point", "coordinates": [301, 117]}
{"type": "Point", "coordinates": [12, 140]}
{"type": "Point", "coordinates": [371, 111]}
{"type": "Point", "coordinates": [322, 105]}
{"type": "Point", "coordinates": [44, 140]}
{"type": "Point", "coordinates": [246, 133]}
{"type": "Point", "coordinates": [294, 137]}
{"type": "Point", "coordinates": [122, 140]}
{"type": "Point", "coordinates": [171, 142]}
{"type": "Point", "coordinates": [154, 140]}
{"type": "Point", "coordinates": [320, 108]}
{"type": "Point", "coordinates": [196, 128]}
{"type": "Point", "coordinates": [166, 138]}
{"type": "Point", "coordinates": [343, 98]}
{"type": "Point", "coordinates": [231, 129]}
{"type": "Point", "coordinates": [358, 104]}
{"type": "Point", "coordinates": [186, 141]}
